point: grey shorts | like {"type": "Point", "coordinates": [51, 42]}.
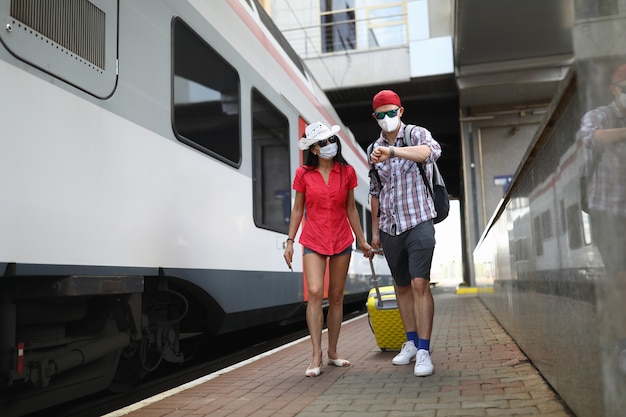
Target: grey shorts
{"type": "Point", "coordinates": [410, 254]}
{"type": "Point", "coordinates": [346, 251]}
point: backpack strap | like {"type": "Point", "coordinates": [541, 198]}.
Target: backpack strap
{"type": "Point", "coordinates": [426, 182]}
{"type": "Point", "coordinates": [373, 172]}
{"type": "Point", "coordinates": [408, 139]}
{"type": "Point", "coordinates": [408, 130]}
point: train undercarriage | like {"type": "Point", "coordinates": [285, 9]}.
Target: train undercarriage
{"type": "Point", "coordinates": [64, 337]}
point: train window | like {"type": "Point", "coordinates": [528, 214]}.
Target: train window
{"type": "Point", "coordinates": [586, 220]}
{"type": "Point", "coordinates": [597, 8]}
{"type": "Point", "coordinates": [574, 227]}
{"type": "Point", "coordinates": [75, 41]}
{"type": "Point", "coordinates": [546, 224]}
{"type": "Point", "coordinates": [537, 236]}
{"type": "Point", "coordinates": [270, 156]}
{"type": "Point", "coordinates": [206, 97]}
{"type": "Point", "coordinates": [562, 217]}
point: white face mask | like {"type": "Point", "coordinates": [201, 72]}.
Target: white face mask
{"type": "Point", "coordinates": [329, 151]}
{"type": "Point", "coordinates": [389, 124]}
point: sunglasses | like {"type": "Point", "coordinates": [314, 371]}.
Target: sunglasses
{"type": "Point", "coordinates": [391, 113]}
{"type": "Point", "coordinates": [325, 142]}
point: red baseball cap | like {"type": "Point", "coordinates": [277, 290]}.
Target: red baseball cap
{"type": "Point", "coordinates": [619, 76]}
{"type": "Point", "coordinates": [389, 97]}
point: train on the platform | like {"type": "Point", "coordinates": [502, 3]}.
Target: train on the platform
{"type": "Point", "coordinates": [148, 150]}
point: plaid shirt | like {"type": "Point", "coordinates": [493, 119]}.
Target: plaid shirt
{"type": "Point", "coordinates": [606, 189]}
{"type": "Point", "coordinates": [402, 195]}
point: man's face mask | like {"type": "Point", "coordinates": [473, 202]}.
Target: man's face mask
{"type": "Point", "coordinates": [389, 124]}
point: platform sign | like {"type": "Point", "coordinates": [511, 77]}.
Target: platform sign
{"type": "Point", "coordinates": [503, 181]}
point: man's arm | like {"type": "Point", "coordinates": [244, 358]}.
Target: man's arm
{"type": "Point", "coordinates": [608, 137]}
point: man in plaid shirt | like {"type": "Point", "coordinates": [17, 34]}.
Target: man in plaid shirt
{"type": "Point", "coordinates": [404, 226]}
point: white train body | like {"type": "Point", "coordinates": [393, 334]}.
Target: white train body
{"type": "Point", "coordinates": [148, 150]}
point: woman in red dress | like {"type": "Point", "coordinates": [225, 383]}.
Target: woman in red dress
{"type": "Point", "coordinates": [324, 188]}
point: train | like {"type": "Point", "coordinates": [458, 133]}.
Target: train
{"type": "Point", "coordinates": [149, 148]}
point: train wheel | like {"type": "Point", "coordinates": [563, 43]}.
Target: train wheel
{"type": "Point", "coordinates": [129, 372]}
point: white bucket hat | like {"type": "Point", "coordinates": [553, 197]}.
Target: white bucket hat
{"type": "Point", "coordinates": [316, 132]}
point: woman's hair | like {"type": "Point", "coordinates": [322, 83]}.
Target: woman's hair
{"type": "Point", "coordinates": [313, 161]}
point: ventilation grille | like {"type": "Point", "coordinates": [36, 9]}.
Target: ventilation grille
{"type": "Point", "coordinates": [76, 25]}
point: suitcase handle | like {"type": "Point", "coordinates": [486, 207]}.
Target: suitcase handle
{"type": "Point", "coordinates": [380, 300]}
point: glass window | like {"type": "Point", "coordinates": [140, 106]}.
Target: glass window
{"type": "Point", "coordinates": [574, 227]}
{"type": "Point", "coordinates": [586, 225]}
{"type": "Point", "coordinates": [562, 217]}
{"type": "Point", "coordinates": [338, 25]}
{"type": "Point", "coordinates": [546, 224]}
{"type": "Point", "coordinates": [538, 236]}
{"type": "Point", "coordinates": [270, 152]}
{"type": "Point", "coordinates": [206, 97]}
{"type": "Point", "coordinates": [387, 25]}
{"type": "Point", "coordinates": [586, 9]}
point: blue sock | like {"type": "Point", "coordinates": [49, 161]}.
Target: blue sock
{"type": "Point", "coordinates": [412, 336]}
{"type": "Point", "coordinates": [424, 344]}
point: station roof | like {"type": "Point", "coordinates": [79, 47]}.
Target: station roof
{"type": "Point", "coordinates": [508, 54]}
{"type": "Point", "coordinates": [511, 52]}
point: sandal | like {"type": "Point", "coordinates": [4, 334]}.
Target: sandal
{"type": "Point", "coordinates": [339, 362]}
{"type": "Point", "coordinates": [313, 372]}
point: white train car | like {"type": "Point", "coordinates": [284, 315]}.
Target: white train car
{"type": "Point", "coordinates": [148, 149]}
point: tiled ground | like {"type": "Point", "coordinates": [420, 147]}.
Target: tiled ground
{"type": "Point", "coordinates": [479, 371]}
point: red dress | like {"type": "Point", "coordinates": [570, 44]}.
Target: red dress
{"type": "Point", "coordinates": [326, 229]}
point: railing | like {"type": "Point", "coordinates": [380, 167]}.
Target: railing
{"type": "Point", "coordinates": [351, 30]}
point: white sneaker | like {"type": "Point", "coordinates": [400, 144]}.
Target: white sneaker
{"type": "Point", "coordinates": [406, 355]}
{"type": "Point", "coordinates": [423, 364]}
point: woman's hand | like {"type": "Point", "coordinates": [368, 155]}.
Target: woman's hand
{"type": "Point", "coordinates": [367, 250]}
{"type": "Point", "coordinates": [288, 255]}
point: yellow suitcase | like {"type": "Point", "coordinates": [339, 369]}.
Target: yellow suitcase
{"type": "Point", "coordinates": [384, 316]}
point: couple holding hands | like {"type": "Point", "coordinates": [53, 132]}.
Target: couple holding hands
{"type": "Point", "coordinates": [403, 228]}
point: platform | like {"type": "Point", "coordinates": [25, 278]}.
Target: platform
{"type": "Point", "coordinates": [479, 371]}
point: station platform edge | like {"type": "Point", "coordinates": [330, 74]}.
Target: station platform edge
{"type": "Point", "coordinates": [479, 371]}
